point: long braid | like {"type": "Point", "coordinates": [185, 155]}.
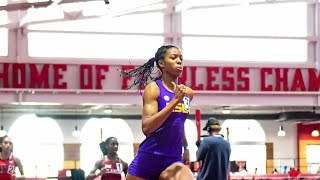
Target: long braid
{"type": "Point", "coordinates": [143, 74]}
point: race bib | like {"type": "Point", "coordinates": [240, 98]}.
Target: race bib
{"type": "Point", "coordinates": [119, 167]}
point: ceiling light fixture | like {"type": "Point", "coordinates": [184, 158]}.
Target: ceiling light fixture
{"type": "Point", "coordinates": [281, 132]}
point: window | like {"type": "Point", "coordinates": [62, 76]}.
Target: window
{"type": "Point", "coordinates": [3, 34]}
{"type": "Point", "coordinates": [247, 20]}
{"type": "Point", "coordinates": [3, 2]}
{"type": "Point", "coordinates": [274, 19]}
{"type": "Point", "coordinates": [243, 49]}
{"type": "Point", "coordinates": [4, 42]}
{"type": "Point", "coordinates": [312, 152]}
{"type": "Point", "coordinates": [3, 17]}
{"type": "Point", "coordinates": [141, 23]}
{"type": "Point", "coordinates": [93, 45]}
{"type": "Point", "coordinates": [40, 146]}
{"type": "Point", "coordinates": [313, 159]}
{"type": "Point", "coordinates": [97, 130]}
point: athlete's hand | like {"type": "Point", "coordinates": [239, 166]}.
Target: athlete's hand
{"type": "Point", "coordinates": [103, 171]}
{"type": "Point", "coordinates": [179, 91]}
{"type": "Point", "coordinates": [186, 157]}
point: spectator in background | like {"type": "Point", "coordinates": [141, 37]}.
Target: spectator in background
{"type": "Point", "coordinates": [213, 153]}
{"type": "Point", "coordinates": [275, 171]}
{"type": "Point", "coordinates": [293, 173]}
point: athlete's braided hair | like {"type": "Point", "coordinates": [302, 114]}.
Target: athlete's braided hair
{"type": "Point", "coordinates": [143, 73]}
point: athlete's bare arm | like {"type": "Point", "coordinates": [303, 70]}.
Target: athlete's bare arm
{"type": "Point", "coordinates": [92, 175]}
{"type": "Point", "coordinates": [151, 118]}
{"type": "Point", "coordinates": [125, 167]}
{"type": "Point", "coordinates": [19, 165]}
{"type": "Point", "coordinates": [186, 155]}
{"type": "Point", "coordinates": [190, 93]}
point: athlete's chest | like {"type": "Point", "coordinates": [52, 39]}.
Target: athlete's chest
{"type": "Point", "coordinates": [182, 107]}
{"type": "Point", "coordinates": [113, 167]}
{"type": "Point", "coordinates": [7, 166]}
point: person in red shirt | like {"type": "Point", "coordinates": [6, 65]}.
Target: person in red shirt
{"type": "Point", "coordinates": [8, 162]}
{"type": "Point", "coordinates": [293, 173]}
{"type": "Point", "coordinates": [110, 165]}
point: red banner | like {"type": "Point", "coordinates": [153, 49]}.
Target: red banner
{"type": "Point", "coordinates": [53, 76]}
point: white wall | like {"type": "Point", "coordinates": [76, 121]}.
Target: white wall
{"type": "Point", "coordinates": [283, 147]}
{"type": "Point", "coordinates": [136, 127]}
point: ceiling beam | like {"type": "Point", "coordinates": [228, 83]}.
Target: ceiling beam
{"type": "Point", "coordinates": [25, 5]}
{"type": "Point", "coordinates": [69, 17]}
{"type": "Point", "coordinates": [43, 4]}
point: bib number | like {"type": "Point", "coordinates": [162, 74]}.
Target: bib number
{"type": "Point", "coordinates": [186, 103]}
{"type": "Point", "coordinates": [119, 167]}
{"type": "Point", "coordinates": [10, 169]}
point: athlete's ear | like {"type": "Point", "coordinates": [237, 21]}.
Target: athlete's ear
{"type": "Point", "coordinates": [161, 63]}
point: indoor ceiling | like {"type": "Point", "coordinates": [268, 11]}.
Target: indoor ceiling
{"type": "Point", "coordinates": [15, 5]}
{"type": "Point", "coordinates": [128, 6]}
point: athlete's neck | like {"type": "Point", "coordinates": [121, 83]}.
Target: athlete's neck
{"type": "Point", "coordinates": [167, 81]}
{"type": "Point", "coordinates": [5, 155]}
{"type": "Point", "coordinates": [112, 157]}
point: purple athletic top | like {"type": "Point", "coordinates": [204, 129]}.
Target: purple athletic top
{"type": "Point", "coordinates": [167, 140]}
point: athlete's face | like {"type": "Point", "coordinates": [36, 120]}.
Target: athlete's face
{"type": "Point", "coordinates": [6, 144]}
{"type": "Point", "coordinates": [172, 63]}
{"type": "Point", "coordinates": [113, 146]}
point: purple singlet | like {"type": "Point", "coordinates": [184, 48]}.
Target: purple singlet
{"type": "Point", "coordinates": [167, 140]}
{"type": "Point", "coordinates": [162, 147]}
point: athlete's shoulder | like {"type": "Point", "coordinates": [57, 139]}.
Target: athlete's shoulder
{"type": "Point", "coordinates": [152, 89]}
{"type": "Point", "coordinates": [152, 85]}
{"type": "Point", "coordinates": [14, 159]}
{"type": "Point", "coordinates": [100, 162]}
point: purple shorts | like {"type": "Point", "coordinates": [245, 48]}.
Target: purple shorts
{"type": "Point", "coordinates": [150, 166]}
